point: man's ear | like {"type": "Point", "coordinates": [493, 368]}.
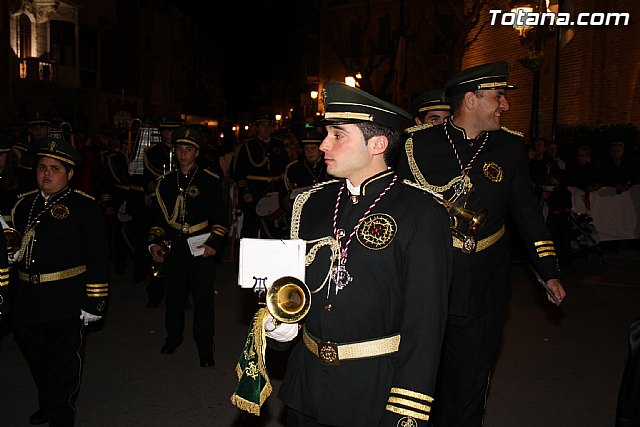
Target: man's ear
{"type": "Point", "coordinates": [379, 144]}
{"type": "Point", "coordinates": [470, 100]}
{"type": "Point", "coordinates": [70, 174]}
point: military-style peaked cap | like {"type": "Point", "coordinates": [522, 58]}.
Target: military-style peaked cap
{"type": "Point", "coordinates": [169, 123]}
{"type": "Point", "coordinates": [263, 117]}
{"type": "Point", "coordinates": [345, 104]}
{"type": "Point", "coordinates": [429, 101]}
{"type": "Point", "coordinates": [312, 137]}
{"type": "Point", "coordinates": [56, 148]}
{"type": "Point", "coordinates": [5, 143]}
{"type": "Point", "coordinates": [493, 75]}
{"type": "Point", "coordinates": [188, 136]}
{"type": "Point", "coordinates": [39, 119]}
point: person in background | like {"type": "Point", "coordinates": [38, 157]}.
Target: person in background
{"type": "Point", "coordinates": [258, 169]}
{"type": "Point", "coordinates": [293, 146]}
{"type": "Point", "coordinates": [552, 153]}
{"type": "Point", "coordinates": [615, 170]}
{"type": "Point", "coordinates": [477, 164]}
{"type": "Point", "coordinates": [370, 342]}
{"type": "Point", "coordinates": [39, 126]}
{"type": "Point", "coordinates": [583, 173]}
{"type": "Point", "coordinates": [188, 206]}
{"type": "Point", "coordinates": [159, 160]}
{"type": "Point", "coordinates": [63, 275]}
{"type": "Point", "coordinates": [430, 107]}
{"type": "Point", "coordinates": [311, 168]}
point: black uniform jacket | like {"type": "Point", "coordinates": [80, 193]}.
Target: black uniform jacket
{"type": "Point", "coordinates": [501, 181]}
{"type": "Point", "coordinates": [4, 277]}
{"type": "Point", "coordinates": [114, 179]}
{"type": "Point", "coordinates": [300, 173]}
{"type": "Point", "coordinates": [67, 236]}
{"type": "Point", "coordinates": [205, 210]}
{"type": "Point", "coordinates": [259, 166]}
{"type": "Point", "coordinates": [400, 261]}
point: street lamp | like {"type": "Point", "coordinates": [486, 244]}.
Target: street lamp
{"type": "Point", "coordinates": [534, 36]}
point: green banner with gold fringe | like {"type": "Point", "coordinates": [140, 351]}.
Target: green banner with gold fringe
{"type": "Point", "coordinates": [253, 382]}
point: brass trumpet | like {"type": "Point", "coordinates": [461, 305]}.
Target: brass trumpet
{"type": "Point", "coordinates": [288, 299]}
{"type": "Point", "coordinates": [14, 240]}
{"type": "Point", "coordinates": [157, 268]}
{"type": "Point", "coordinates": [475, 219]}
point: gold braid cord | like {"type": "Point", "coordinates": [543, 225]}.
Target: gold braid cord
{"type": "Point", "coordinates": [176, 209]}
{"type": "Point", "coordinates": [333, 244]}
{"type": "Point", "coordinates": [415, 170]}
{"type": "Point", "coordinates": [27, 240]}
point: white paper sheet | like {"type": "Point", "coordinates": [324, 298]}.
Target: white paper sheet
{"type": "Point", "coordinates": [262, 261]}
{"type": "Point", "coordinates": [196, 242]}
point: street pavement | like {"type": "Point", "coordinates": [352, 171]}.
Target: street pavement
{"type": "Point", "coordinates": [558, 366]}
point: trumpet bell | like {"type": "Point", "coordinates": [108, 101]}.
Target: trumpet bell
{"type": "Point", "coordinates": [14, 240]}
{"type": "Point", "coordinates": [288, 299]}
{"type": "Point", "coordinates": [475, 219]}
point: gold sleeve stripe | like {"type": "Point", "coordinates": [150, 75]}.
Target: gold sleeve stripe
{"type": "Point", "coordinates": [97, 285]}
{"type": "Point", "coordinates": [410, 404]}
{"type": "Point", "coordinates": [544, 254]}
{"type": "Point", "coordinates": [4, 270]}
{"type": "Point", "coordinates": [407, 412]}
{"type": "Point", "coordinates": [414, 394]}
{"type": "Point", "coordinates": [543, 242]}
{"type": "Point", "coordinates": [100, 295]}
{"type": "Point", "coordinates": [545, 248]}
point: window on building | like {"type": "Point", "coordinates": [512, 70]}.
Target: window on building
{"type": "Point", "coordinates": [24, 36]}
{"type": "Point", "coordinates": [63, 42]}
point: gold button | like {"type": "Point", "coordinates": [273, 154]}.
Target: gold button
{"type": "Point", "coordinates": [328, 307]}
{"type": "Point", "coordinates": [354, 200]}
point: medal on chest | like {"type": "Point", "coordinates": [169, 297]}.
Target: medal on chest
{"type": "Point", "coordinates": [340, 276]}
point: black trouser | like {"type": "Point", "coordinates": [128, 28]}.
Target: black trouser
{"type": "Point", "coordinates": [156, 289]}
{"type": "Point", "coordinates": [195, 274]}
{"type": "Point", "coordinates": [469, 352]}
{"type": "Point", "coordinates": [54, 352]}
{"type": "Point", "coordinates": [250, 220]}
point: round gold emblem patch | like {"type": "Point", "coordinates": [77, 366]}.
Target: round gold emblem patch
{"type": "Point", "coordinates": [193, 191]}
{"type": "Point", "coordinates": [493, 172]}
{"type": "Point", "coordinates": [59, 211]}
{"type": "Point", "coordinates": [407, 422]}
{"type": "Point", "coordinates": [377, 231]}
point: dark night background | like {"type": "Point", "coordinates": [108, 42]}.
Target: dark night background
{"type": "Point", "coordinates": [257, 39]}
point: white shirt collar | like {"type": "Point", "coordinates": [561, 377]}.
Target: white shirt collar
{"type": "Point", "coordinates": [353, 190]}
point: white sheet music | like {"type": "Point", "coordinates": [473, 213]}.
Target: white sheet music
{"type": "Point", "coordinates": [262, 261]}
{"type": "Point", "coordinates": [196, 242]}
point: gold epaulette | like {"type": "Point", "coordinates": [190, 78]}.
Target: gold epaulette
{"type": "Point", "coordinates": [420, 187]}
{"type": "Point", "coordinates": [20, 196]}
{"type": "Point", "coordinates": [513, 132]}
{"type": "Point", "coordinates": [213, 174]}
{"type": "Point", "coordinates": [84, 194]}
{"type": "Point", "coordinates": [323, 183]}
{"type": "Point", "coordinates": [416, 128]}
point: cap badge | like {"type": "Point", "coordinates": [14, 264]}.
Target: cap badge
{"type": "Point", "coordinates": [52, 146]}
{"type": "Point", "coordinates": [187, 134]}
